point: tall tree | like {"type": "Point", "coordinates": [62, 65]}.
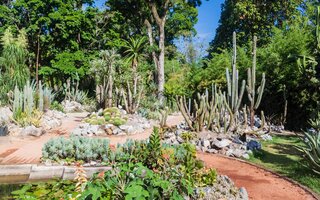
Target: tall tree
{"type": "Point", "coordinates": [248, 18]}
{"type": "Point", "coordinates": [156, 15]}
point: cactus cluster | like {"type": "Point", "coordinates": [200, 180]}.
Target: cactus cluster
{"type": "Point", "coordinates": [107, 116]}
{"type": "Point", "coordinates": [212, 113]}
{"type": "Point", "coordinates": [220, 110]}
{"type": "Point", "coordinates": [26, 101]}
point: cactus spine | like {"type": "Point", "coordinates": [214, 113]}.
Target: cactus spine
{"type": "Point", "coordinates": [253, 95]}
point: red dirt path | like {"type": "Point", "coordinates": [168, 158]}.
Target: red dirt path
{"type": "Point", "coordinates": [260, 184]}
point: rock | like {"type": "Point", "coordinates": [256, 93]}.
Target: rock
{"type": "Point", "coordinates": [100, 112]}
{"type": "Point", "coordinates": [266, 137]}
{"type": "Point", "coordinates": [243, 137]}
{"type": "Point", "coordinates": [204, 149]}
{"type": "Point", "coordinates": [223, 143]}
{"type": "Point", "coordinates": [72, 106]}
{"type": "Point", "coordinates": [109, 131]}
{"type": "Point", "coordinates": [179, 139]}
{"type": "Point", "coordinates": [257, 122]}
{"type": "Point", "coordinates": [116, 131]}
{"type": "Point", "coordinates": [205, 143]}
{"type": "Point", "coordinates": [32, 130]}
{"type": "Point", "coordinates": [253, 145]}
{"type": "Point", "coordinates": [230, 152]}
{"type": "Point", "coordinates": [214, 151]}
{"type": "Point", "coordinates": [238, 153]}
{"type": "Point", "coordinates": [5, 114]}
{"type": "Point", "coordinates": [243, 193]}
{"type": "Point", "coordinates": [4, 131]}
{"type": "Point", "coordinates": [246, 156]}
{"type": "Point", "coordinates": [223, 188]}
{"type": "Point", "coordinates": [129, 129]}
{"type": "Point", "coordinates": [169, 135]}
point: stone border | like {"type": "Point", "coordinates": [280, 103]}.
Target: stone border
{"type": "Point", "coordinates": [308, 190]}
{"type": "Point", "coordinates": [10, 174]}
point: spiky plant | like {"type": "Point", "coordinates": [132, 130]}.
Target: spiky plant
{"type": "Point", "coordinates": [154, 147]}
{"type": "Point", "coordinates": [311, 138]}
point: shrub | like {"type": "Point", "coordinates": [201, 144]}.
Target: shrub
{"type": "Point", "coordinates": [57, 106]}
{"type": "Point", "coordinates": [76, 148]}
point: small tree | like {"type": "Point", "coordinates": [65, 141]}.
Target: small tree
{"type": "Point", "coordinates": [134, 50]}
{"type": "Point", "coordinates": [103, 70]}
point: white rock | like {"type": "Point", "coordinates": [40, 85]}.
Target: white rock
{"type": "Point", "coordinates": [205, 143]}
{"type": "Point", "coordinates": [246, 156]}
{"type": "Point", "coordinates": [32, 130]}
{"type": "Point", "coordinates": [223, 143]}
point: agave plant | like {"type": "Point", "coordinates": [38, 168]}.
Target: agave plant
{"type": "Point", "coordinates": [312, 140]}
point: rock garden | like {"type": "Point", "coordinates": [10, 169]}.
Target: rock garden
{"type": "Point", "coordinates": [113, 100]}
{"type": "Point", "coordinates": [112, 121]}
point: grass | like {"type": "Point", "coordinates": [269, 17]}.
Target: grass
{"type": "Point", "coordinates": [280, 155]}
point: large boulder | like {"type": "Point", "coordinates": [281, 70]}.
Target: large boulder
{"type": "Point", "coordinates": [72, 106]}
{"type": "Point", "coordinates": [222, 143]}
{"type": "Point", "coordinates": [5, 114]}
{"type": "Point", "coordinates": [32, 130]}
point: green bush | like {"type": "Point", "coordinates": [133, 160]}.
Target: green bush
{"type": "Point", "coordinates": [56, 106]}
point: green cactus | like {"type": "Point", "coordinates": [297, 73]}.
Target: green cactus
{"type": "Point", "coordinates": [253, 95]}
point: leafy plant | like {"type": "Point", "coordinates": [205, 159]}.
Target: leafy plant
{"type": "Point", "coordinates": [312, 140]}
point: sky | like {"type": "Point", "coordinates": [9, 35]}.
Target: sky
{"type": "Point", "coordinates": [208, 18]}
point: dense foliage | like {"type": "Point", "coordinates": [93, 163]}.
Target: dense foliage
{"type": "Point", "coordinates": [140, 169]}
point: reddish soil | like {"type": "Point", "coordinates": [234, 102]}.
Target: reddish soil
{"type": "Point", "coordinates": [260, 184]}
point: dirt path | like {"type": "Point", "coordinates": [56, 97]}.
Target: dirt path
{"type": "Point", "coordinates": [23, 150]}
{"type": "Point", "coordinates": [260, 184]}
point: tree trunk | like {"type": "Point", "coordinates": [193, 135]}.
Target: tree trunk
{"type": "Point", "coordinates": [161, 21]}
{"type": "Point", "coordinates": [161, 64]}
{"type": "Point", "coordinates": [154, 55]}
{"type": "Point", "coordinates": [37, 60]}
{"type": "Point", "coordinates": [110, 91]}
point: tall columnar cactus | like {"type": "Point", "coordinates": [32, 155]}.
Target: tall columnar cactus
{"type": "Point", "coordinates": [41, 102]}
{"type": "Point", "coordinates": [254, 95]}
{"type": "Point", "coordinates": [234, 97]}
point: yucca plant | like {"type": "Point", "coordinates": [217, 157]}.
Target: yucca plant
{"type": "Point", "coordinates": [311, 138]}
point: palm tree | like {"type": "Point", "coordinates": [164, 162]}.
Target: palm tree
{"type": "Point", "coordinates": [134, 50]}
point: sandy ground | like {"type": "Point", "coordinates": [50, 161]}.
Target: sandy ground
{"type": "Point", "coordinates": [260, 184]}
